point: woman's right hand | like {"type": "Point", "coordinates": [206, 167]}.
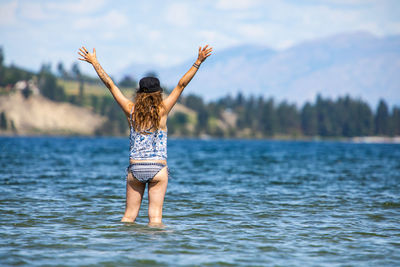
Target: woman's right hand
{"type": "Point", "coordinates": [204, 53]}
{"type": "Point", "coordinates": [86, 56]}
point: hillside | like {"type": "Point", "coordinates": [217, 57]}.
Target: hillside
{"type": "Point", "coordinates": [38, 115]}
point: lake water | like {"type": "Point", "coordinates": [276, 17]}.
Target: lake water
{"type": "Point", "coordinates": [229, 202]}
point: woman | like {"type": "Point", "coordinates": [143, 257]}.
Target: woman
{"type": "Point", "coordinates": [147, 117]}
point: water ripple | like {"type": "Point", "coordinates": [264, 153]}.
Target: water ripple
{"type": "Point", "coordinates": [229, 203]}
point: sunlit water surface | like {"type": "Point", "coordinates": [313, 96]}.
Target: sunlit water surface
{"type": "Point", "coordinates": [258, 203]}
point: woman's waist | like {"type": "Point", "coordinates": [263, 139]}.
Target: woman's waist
{"type": "Point", "coordinates": [133, 161]}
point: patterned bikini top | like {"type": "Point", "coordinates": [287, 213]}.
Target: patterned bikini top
{"type": "Point", "coordinates": [147, 145]}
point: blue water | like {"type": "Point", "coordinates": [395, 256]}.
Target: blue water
{"type": "Point", "coordinates": [239, 203]}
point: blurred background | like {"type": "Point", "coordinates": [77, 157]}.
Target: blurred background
{"type": "Point", "coordinates": [280, 69]}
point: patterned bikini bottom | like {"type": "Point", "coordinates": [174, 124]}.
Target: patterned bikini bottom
{"type": "Point", "coordinates": [145, 171]}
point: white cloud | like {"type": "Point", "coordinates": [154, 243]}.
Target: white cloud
{"type": "Point", "coordinates": [76, 7]}
{"type": "Point", "coordinates": [42, 11]}
{"type": "Point", "coordinates": [216, 38]}
{"type": "Point", "coordinates": [34, 11]}
{"type": "Point", "coordinates": [284, 24]}
{"type": "Point", "coordinates": [178, 14]}
{"type": "Point", "coordinates": [271, 34]}
{"type": "Point", "coordinates": [8, 13]}
{"type": "Point", "coordinates": [111, 20]}
{"type": "Point", "coordinates": [163, 59]}
{"type": "Point", "coordinates": [236, 4]}
{"type": "Point", "coordinates": [252, 31]}
{"type": "Point", "coordinates": [393, 28]}
{"type": "Point", "coordinates": [145, 27]}
{"type": "Point", "coordinates": [351, 2]}
{"type": "Point", "coordinates": [154, 35]}
{"type": "Point", "coordinates": [284, 44]}
{"type": "Point", "coordinates": [109, 35]}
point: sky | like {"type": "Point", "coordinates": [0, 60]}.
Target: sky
{"type": "Point", "coordinates": [165, 32]}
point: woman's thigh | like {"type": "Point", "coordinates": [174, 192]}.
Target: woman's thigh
{"type": "Point", "coordinates": [134, 192]}
{"type": "Point", "coordinates": [157, 189]}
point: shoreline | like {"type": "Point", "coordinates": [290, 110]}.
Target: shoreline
{"type": "Point", "coordinates": [355, 140]}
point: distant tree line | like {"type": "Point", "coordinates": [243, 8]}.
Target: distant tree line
{"type": "Point", "coordinates": [344, 116]}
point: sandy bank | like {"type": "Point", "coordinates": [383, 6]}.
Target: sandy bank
{"type": "Point", "coordinates": [38, 115]}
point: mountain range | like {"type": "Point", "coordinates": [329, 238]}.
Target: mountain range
{"type": "Point", "coordinates": [358, 64]}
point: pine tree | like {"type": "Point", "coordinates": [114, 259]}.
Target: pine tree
{"type": "Point", "coordinates": [382, 119]}
{"type": "Point", "coordinates": [3, 121]}
{"type": "Point", "coordinates": [395, 121]}
{"type": "Point", "coordinates": [309, 123]}
{"type": "Point", "coordinates": [1, 67]}
{"type": "Point", "coordinates": [78, 76]}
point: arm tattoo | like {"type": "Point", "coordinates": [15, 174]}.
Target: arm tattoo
{"type": "Point", "coordinates": [103, 75]}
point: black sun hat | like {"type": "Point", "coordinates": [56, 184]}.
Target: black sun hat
{"type": "Point", "coordinates": [149, 85]}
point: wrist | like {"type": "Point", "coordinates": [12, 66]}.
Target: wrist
{"type": "Point", "coordinates": [198, 62]}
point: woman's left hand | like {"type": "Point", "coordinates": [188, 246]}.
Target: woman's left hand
{"type": "Point", "coordinates": [86, 56]}
{"type": "Point", "coordinates": [204, 53]}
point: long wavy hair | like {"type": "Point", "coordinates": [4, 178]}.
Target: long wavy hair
{"type": "Point", "coordinates": [148, 107]}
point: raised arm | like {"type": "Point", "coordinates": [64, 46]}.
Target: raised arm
{"type": "Point", "coordinates": [124, 102]}
{"type": "Point", "coordinates": [170, 101]}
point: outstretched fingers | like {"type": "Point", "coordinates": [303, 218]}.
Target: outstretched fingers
{"type": "Point", "coordinates": [86, 56]}
{"type": "Point", "coordinates": [207, 51]}
{"type": "Point", "coordinates": [83, 55]}
{"type": "Point", "coordinates": [82, 52]}
{"type": "Point", "coordinates": [204, 52]}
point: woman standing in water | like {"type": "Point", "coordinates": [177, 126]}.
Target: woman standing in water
{"type": "Point", "coordinates": [147, 118]}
